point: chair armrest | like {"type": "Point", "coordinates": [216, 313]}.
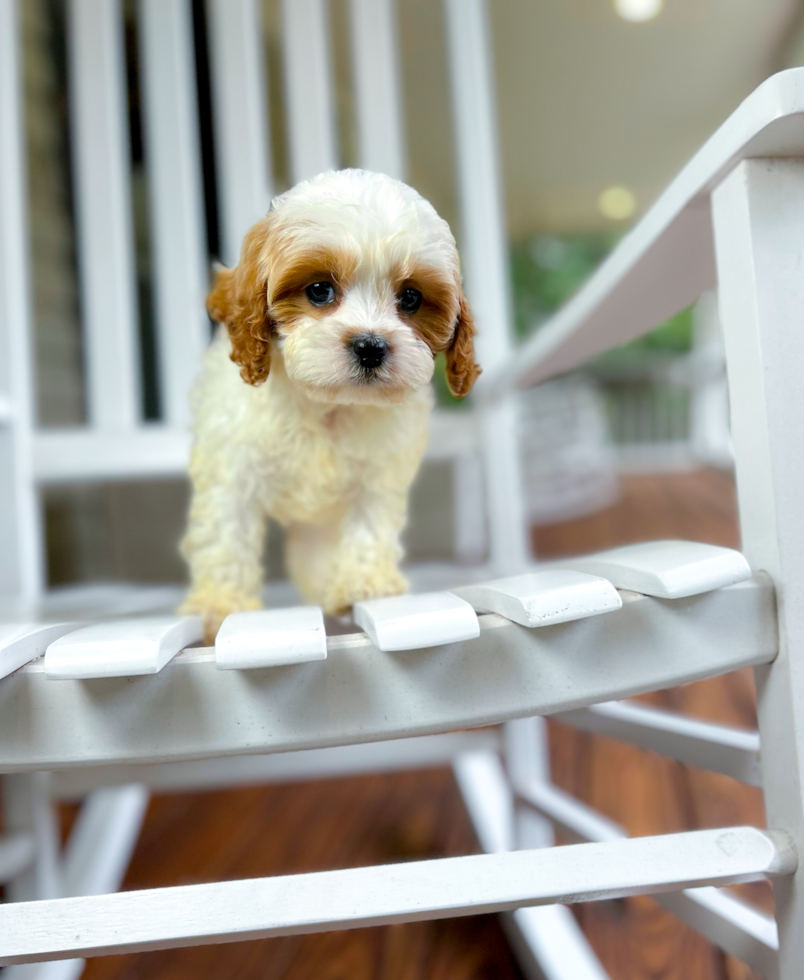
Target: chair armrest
{"type": "Point", "coordinates": [667, 260]}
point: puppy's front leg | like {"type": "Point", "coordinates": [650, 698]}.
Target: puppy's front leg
{"type": "Point", "coordinates": [366, 560]}
{"type": "Point", "coordinates": [224, 541]}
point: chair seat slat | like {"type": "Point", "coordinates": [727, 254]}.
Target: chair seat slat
{"type": "Point", "coordinates": [544, 598]}
{"type": "Point", "coordinates": [20, 643]}
{"type": "Point", "coordinates": [358, 694]}
{"type": "Point", "coordinates": [411, 622]}
{"type": "Point", "coordinates": [666, 569]}
{"type": "Point", "coordinates": [124, 648]}
{"type": "Point", "coordinates": [271, 638]}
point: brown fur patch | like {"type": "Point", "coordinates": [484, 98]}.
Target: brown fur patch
{"type": "Point", "coordinates": [292, 273]}
{"type": "Point", "coordinates": [238, 300]}
{"type": "Point", "coordinates": [444, 321]}
{"type": "Point", "coordinates": [462, 370]}
{"type": "Point", "coordinates": [293, 269]}
{"type": "Point", "coordinates": [435, 318]}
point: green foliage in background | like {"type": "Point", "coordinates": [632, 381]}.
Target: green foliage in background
{"type": "Point", "coordinates": [548, 270]}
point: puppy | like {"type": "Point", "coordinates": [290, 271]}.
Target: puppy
{"type": "Point", "coordinates": [312, 406]}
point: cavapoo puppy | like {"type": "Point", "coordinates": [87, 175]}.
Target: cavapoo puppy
{"type": "Point", "coordinates": [312, 406]}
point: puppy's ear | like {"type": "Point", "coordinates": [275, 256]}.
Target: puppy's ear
{"type": "Point", "coordinates": [238, 300]}
{"type": "Point", "coordinates": [462, 371]}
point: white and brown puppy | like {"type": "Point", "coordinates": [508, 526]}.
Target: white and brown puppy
{"type": "Point", "coordinates": [344, 294]}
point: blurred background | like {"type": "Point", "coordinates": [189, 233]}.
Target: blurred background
{"type": "Point", "coordinates": [599, 103]}
{"type": "Point", "coordinates": [597, 112]}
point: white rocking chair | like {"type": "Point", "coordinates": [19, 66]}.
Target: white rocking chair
{"type": "Point", "coordinates": [427, 670]}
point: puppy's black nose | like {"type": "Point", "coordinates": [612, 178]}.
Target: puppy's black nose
{"type": "Point", "coordinates": [370, 350]}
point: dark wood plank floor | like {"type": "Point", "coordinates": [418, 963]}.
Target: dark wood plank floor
{"type": "Point", "coordinates": [356, 821]}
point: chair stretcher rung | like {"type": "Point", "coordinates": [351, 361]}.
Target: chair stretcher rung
{"type": "Point", "coordinates": [724, 920]}
{"type": "Point", "coordinates": [359, 694]}
{"type": "Point", "coordinates": [323, 901]}
{"type": "Point", "coordinates": [717, 748]}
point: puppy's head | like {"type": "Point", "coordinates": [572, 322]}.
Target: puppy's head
{"type": "Point", "coordinates": [354, 281]}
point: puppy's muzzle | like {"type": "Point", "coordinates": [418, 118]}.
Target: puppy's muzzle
{"type": "Point", "coordinates": [369, 350]}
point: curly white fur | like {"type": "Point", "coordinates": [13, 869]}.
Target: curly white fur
{"type": "Point", "coordinates": [319, 447]}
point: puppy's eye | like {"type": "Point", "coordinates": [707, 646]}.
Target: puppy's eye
{"type": "Point", "coordinates": [320, 293]}
{"type": "Point", "coordinates": [409, 300]}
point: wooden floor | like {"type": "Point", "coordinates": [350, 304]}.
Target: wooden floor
{"type": "Point", "coordinates": [349, 822]}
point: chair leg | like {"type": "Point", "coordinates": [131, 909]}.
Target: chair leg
{"type": "Point", "coordinates": [95, 858]}
{"type": "Point", "coordinates": [28, 809]}
{"type": "Point", "coordinates": [547, 941]}
{"type": "Point", "coordinates": [758, 214]}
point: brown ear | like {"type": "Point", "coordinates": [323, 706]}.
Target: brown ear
{"type": "Point", "coordinates": [462, 371]}
{"type": "Point", "coordinates": [238, 300]}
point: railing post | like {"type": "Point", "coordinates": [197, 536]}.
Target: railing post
{"type": "Point", "coordinates": [484, 252]}
{"type": "Point", "coordinates": [21, 550]}
{"type": "Point", "coordinates": [758, 214]}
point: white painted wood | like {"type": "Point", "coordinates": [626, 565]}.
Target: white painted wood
{"type": "Point", "coordinates": [97, 855]}
{"type": "Point", "coordinates": [16, 855]}
{"type": "Point", "coordinates": [544, 598]}
{"type": "Point", "coordinates": [488, 798]}
{"type": "Point", "coordinates": [758, 219]}
{"type": "Point", "coordinates": [258, 908]}
{"type": "Point", "coordinates": [469, 518]}
{"type": "Point", "coordinates": [549, 943]}
{"type": "Point", "coordinates": [731, 751]}
{"type": "Point", "coordinates": [526, 757]}
{"type": "Point", "coordinates": [667, 261]}
{"type": "Point", "coordinates": [102, 840]}
{"type": "Point", "coordinates": [271, 638]}
{"type": "Point", "coordinates": [173, 157]}
{"type": "Point", "coordinates": [20, 643]}
{"type": "Point", "coordinates": [69, 455]}
{"type": "Point", "coordinates": [484, 251]}
{"type": "Point", "coordinates": [574, 819]}
{"type": "Point", "coordinates": [667, 569]}
{"type": "Point", "coordinates": [414, 622]}
{"type": "Point", "coordinates": [422, 752]}
{"type": "Point", "coordinates": [377, 87]}
{"type": "Point", "coordinates": [308, 88]}
{"type": "Point", "coordinates": [54, 970]}
{"type": "Point", "coordinates": [239, 85]}
{"type": "Point", "coordinates": [121, 648]}
{"type": "Point", "coordinates": [21, 550]}
{"type": "Point", "coordinates": [356, 695]}
{"type": "Point", "coordinates": [101, 167]}
{"type": "Point", "coordinates": [730, 924]}
{"type": "Point", "coordinates": [27, 809]}
{"type": "Point", "coordinates": [726, 921]}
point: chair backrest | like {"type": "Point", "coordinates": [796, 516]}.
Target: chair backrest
{"type": "Point", "coordinates": [116, 442]}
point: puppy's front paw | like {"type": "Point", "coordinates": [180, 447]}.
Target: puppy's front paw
{"type": "Point", "coordinates": [351, 585]}
{"type": "Point", "coordinates": [213, 609]}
